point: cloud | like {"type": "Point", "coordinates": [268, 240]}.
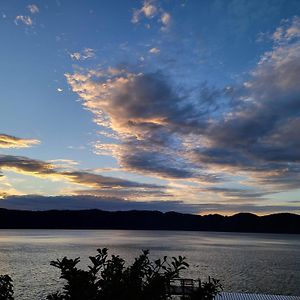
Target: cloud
{"type": "Point", "coordinates": [6, 188]}
{"type": "Point", "coordinates": [64, 163]}
{"type": "Point", "coordinates": [151, 9]}
{"type": "Point", "coordinates": [154, 124]}
{"type": "Point", "coordinates": [287, 31]}
{"type": "Point", "coordinates": [154, 50]}
{"type": "Point", "coordinates": [26, 20]}
{"type": "Point", "coordinates": [166, 19]}
{"type": "Point", "coordinates": [99, 181]}
{"type": "Point", "coordinates": [87, 53]}
{"type": "Point", "coordinates": [162, 165]}
{"type": "Point", "coordinates": [237, 194]}
{"type": "Point", "coordinates": [93, 183]}
{"type": "Point", "coordinates": [150, 119]}
{"type": "Point", "coordinates": [9, 141]}
{"type": "Point", "coordinates": [26, 165]}
{"type": "Point", "coordinates": [36, 202]}
{"type": "Point", "coordinates": [33, 8]}
{"type": "Point", "coordinates": [260, 132]}
{"type": "Point", "coordinates": [249, 129]}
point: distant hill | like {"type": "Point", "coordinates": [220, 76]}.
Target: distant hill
{"type": "Point", "coordinates": [147, 220]}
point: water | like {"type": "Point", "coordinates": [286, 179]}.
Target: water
{"type": "Point", "coordinates": [256, 263]}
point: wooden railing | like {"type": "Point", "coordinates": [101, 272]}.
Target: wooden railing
{"type": "Point", "coordinates": [183, 286]}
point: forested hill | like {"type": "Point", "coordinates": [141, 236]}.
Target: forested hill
{"type": "Point", "coordinates": [147, 220]}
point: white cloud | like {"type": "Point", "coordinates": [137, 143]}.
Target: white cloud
{"type": "Point", "coordinates": [149, 10]}
{"type": "Point", "coordinates": [154, 50]}
{"type": "Point", "coordinates": [166, 18]}
{"type": "Point", "coordinates": [26, 20]}
{"type": "Point", "coordinates": [152, 10]}
{"type": "Point", "coordinates": [75, 56]}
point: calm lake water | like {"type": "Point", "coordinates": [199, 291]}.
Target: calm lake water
{"type": "Point", "coordinates": [256, 263]}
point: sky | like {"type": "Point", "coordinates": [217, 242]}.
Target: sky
{"type": "Point", "coordinates": [171, 105]}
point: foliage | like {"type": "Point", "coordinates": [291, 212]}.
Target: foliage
{"type": "Point", "coordinates": [109, 279]}
{"type": "Point", "coordinates": [207, 290]}
{"type": "Point", "coordinates": [6, 288]}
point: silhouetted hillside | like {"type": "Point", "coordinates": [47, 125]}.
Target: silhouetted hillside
{"type": "Point", "coordinates": [154, 220]}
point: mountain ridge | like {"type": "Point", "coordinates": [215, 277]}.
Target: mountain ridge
{"type": "Point", "coordinates": [148, 220]}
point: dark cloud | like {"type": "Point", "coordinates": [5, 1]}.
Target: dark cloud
{"type": "Point", "coordinates": [103, 181]}
{"type": "Point", "coordinates": [36, 202]}
{"type": "Point", "coordinates": [261, 133]}
{"type": "Point", "coordinates": [152, 120]}
{"type": "Point", "coordinates": [109, 186]}
{"type": "Point", "coordinates": [239, 194]}
{"type": "Point", "coordinates": [26, 165]}
{"type": "Point", "coordinates": [163, 165]}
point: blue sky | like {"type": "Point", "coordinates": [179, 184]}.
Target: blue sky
{"type": "Point", "coordinates": [179, 105]}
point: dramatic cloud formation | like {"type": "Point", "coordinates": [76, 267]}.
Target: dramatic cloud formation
{"type": "Point", "coordinates": [183, 101]}
{"type": "Point", "coordinates": [248, 130]}
{"type": "Point", "coordinates": [9, 141]}
{"type": "Point", "coordinates": [152, 121]}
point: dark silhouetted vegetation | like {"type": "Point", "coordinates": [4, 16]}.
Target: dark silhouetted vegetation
{"type": "Point", "coordinates": [206, 290]}
{"type": "Point", "coordinates": [6, 288]}
{"type": "Point", "coordinates": [110, 279]}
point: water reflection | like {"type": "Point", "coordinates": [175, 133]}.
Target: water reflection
{"type": "Point", "coordinates": [264, 263]}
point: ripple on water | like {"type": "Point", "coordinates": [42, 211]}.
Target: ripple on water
{"type": "Point", "coordinates": [261, 263]}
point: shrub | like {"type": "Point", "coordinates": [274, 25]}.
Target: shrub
{"type": "Point", "coordinates": [207, 290]}
{"type": "Point", "coordinates": [109, 279]}
{"type": "Point", "coordinates": [6, 288]}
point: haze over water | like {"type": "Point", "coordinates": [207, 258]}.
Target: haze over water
{"type": "Point", "coordinates": [255, 263]}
